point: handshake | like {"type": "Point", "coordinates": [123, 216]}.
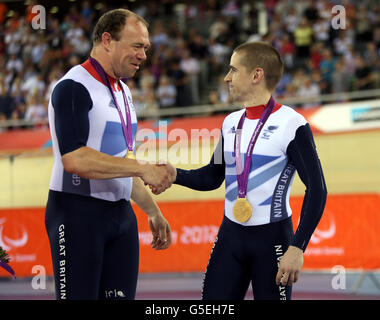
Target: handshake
{"type": "Point", "coordinates": [159, 177]}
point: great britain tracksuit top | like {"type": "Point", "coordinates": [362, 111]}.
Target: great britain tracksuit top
{"type": "Point", "coordinates": [83, 113]}
{"type": "Point", "coordinates": [285, 145]}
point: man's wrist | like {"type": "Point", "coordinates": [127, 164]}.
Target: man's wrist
{"type": "Point", "coordinates": [140, 169]}
{"type": "Point", "coordinates": [295, 249]}
{"type": "Point", "coordinates": [153, 213]}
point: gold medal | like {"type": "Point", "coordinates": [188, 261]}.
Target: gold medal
{"type": "Point", "coordinates": [130, 155]}
{"type": "Point", "coordinates": [242, 210]}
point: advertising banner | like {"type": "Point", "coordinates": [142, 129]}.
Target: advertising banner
{"type": "Point", "coordinates": [347, 235]}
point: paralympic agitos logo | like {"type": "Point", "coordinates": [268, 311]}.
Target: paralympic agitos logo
{"type": "Point", "coordinates": [326, 230]}
{"type": "Point", "coordinates": [8, 243]}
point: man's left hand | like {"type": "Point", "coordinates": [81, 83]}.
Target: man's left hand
{"type": "Point", "coordinates": [290, 266]}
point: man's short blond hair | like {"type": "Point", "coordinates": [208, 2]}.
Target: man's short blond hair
{"type": "Point", "coordinates": [262, 55]}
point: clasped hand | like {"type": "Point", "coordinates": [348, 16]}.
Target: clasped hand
{"type": "Point", "coordinates": [160, 177]}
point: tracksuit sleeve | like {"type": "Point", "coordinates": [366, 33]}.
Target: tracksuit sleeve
{"type": "Point", "coordinates": [302, 152]}
{"type": "Point", "coordinates": [206, 178]}
{"type": "Point", "coordinates": [71, 102]}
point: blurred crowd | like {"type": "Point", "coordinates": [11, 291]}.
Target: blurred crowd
{"type": "Point", "coordinates": [191, 46]}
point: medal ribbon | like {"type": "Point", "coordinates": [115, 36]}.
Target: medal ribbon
{"type": "Point", "coordinates": [8, 268]}
{"type": "Point", "coordinates": [242, 174]}
{"type": "Point", "coordinates": [127, 128]}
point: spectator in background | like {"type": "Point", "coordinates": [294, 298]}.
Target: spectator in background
{"type": "Point", "coordinates": [342, 43]}
{"type": "Point", "coordinates": [159, 35]}
{"type": "Point", "coordinates": [191, 67]}
{"type": "Point", "coordinates": [218, 55]}
{"type": "Point", "coordinates": [73, 60]}
{"type": "Point", "coordinates": [291, 20]}
{"type": "Point", "coordinates": [275, 31]}
{"type": "Point", "coordinates": [74, 34]}
{"type": "Point", "coordinates": [54, 36]}
{"type": "Point", "coordinates": [181, 82]}
{"type": "Point", "coordinates": [299, 78]}
{"type": "Point", "coordinates": [227, 34]}
{"type": "Point", "coordinates": [316, 55]}
{"type": "Point", "coordinates": [6, 79]}
{"type": "Point", "coordinates": [12, 39]}
{"type": "Point", "coordinates": [311, 12]}
{"type": "Point", "coordinates": [249, 19]}
{"type": "Point", "coordinates": [309, 92]}
{"type": "Point", "coordinates": [29, 40]}
{"type": "Point", "coordinates": [231, 9]}
{"type": "Point", "coordinates": [29, 71]}
{"type": "Point", "coordinates": [341, 79]}
{"type": "Point", "coordinates": [38, 50]}
{"type": "Point", "coordinates": [287, 51]}
{"type": "Point", "coordinates": [324, 9]}
{"type": "Point", "coordinates": [147, 80]}
{"type": "Point", "coordinates": [156, 67]}
{"type": "Point", "coordinates": [364, 78]}
{"type": "Point", "coordinates": [53, 78]}
{"type": "Point", "coordinates": [218, 28]}
{"type": "Point", "coordinates": [349, 60]}
{"type": "Point", "coordinates": [149, 106]}
{"type": "Point", "coordinates": [213, 98]}
{"type": "Point", "coordinates": [87, 14]}
{"type": "Point", "coordinates": [363, 27]}
{"type": "Point", "coordinates": [282, 85]}
{"type": "Point", "coordinates": [372, 56]}
{"type": "Point", "coordinates": [35, 84]}
{"type": "Point", "coordinates": [199, 50]}
{"type": "Point", "coordinates": [74, 16]}
{"type": "Point", "coordinates": [166, 93]}
{"type": "Point", "coordinates": [66, 24]}
{"type": "Point", "coordinates": [228, 21]}
{"type": "Point", "coordinates": [136, 94]}
{"type": "Point", "coordinates": [146, 85]}
{"type": "Point", "coordinates": [291, 91]}
{"type": "Point", "coordinates": [35, 110]}
{"type": "Point", "coordinates": [82, 47]}
{"type": "Point", "coordinates": [327, 66]}
{"type": "Point", "coordinates": [303, 39]}
{"type": "Point", "coordinates": [67, 50]}
{"type": "Point", "coordinates": [14, 64]}
{"type": "Point", "coordinates": [19, 110]}
{"type": "Point", "coordinates": [321, 30]}
{"type": "Point", "coordinates": [16, 91]}
{"type": "Point", "coordinates": [316, 77]}
{"type": "Point", "coordinates": [173, 31]}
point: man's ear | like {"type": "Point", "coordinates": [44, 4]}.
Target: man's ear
{"type": "Point", "coordinates": [257, 75]}
{"type": "Point", "coordinates": [106, 40]}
